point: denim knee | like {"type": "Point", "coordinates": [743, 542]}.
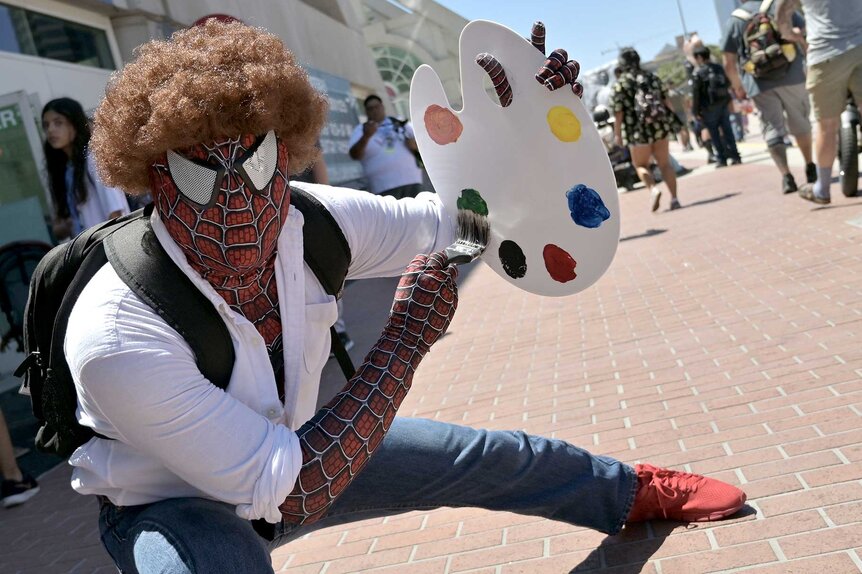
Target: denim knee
{"type": "Point", "coordinates": [183, 536]}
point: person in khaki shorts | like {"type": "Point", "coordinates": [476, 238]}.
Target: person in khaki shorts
{"type": "Point", "coordinates": [781, 99]}
{"type": "Point", "coordinates": [834, 38]}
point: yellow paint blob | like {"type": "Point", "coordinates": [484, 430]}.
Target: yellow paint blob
{"type": "Point", "coordinates": [564, 124]}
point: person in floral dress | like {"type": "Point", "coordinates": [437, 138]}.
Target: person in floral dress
{"type": "Point", "coordinates": [644, 122]}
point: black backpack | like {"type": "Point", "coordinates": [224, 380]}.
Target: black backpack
{"type": "Point", "coordinates": [131, 247]}
{"type": "Point", "coordinates": [716, 86]}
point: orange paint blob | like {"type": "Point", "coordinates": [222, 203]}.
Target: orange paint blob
{"type": "Point", "coordinates": [443, 126]}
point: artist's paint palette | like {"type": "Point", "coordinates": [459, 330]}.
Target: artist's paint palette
{"type": "Point", "coordinates": [538, 166]}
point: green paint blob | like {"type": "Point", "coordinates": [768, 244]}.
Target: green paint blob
{"type": "Point", "coordinates": [471, 200]}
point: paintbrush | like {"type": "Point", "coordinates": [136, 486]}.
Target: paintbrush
{"type": "Point", "coordinates": [473, 233]}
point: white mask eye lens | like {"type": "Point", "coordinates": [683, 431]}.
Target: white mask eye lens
{"type": "Point", "coordinates": [194, 181]}
{"type": "Point", "coordinates": [260, 166]}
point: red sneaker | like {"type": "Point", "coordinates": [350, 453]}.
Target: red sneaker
{"type": "Point", "coordinates": [673, 495]}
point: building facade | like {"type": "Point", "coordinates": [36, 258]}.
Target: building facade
{"type": "Point", "coordinates": [404, 35]}
{"type": "Point", "coordinates": [351, 48]}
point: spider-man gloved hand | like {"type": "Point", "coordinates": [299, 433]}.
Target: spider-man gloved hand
{"type": "Point", "coordinates": [338, 441]}
{"type": "Point", "coordinates": [424, 303]}
{"type": "Point", "coordinates": [556, 72]}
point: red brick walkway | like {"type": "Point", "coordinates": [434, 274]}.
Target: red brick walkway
{"type": "Point", "coordinates": [725, 339]}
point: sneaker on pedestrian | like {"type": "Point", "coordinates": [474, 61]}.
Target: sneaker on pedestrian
{"type": "Point", "coordinates": [806, 191]}
{"type": "Point", "coordinates": [346, 342]}
{"type": "Point", "coordinates": [788, 184]}
{"type": "Point", "coordinates": [736, 161]}
{"type": "Point", "coordinates": [656, 198]}
{"type": "Point", "coordinates": [666, 494]}
{"type": "Point", "coordinates": [720, 164]}
{"type": "Point", "coordinates": [810, 172]}
{"type": "Point", "coordinates": [710, 158]}
{"type": "Point", "coordinates": [674, 204]}
{"type": "Point", "coordinates": [15, 492]}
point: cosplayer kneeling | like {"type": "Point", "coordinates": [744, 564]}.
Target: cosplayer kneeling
{"type": "Point", "coordinates": [193, 478]}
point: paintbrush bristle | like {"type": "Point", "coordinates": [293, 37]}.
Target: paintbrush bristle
{"type": "Point", "coordinates": [473, 233]}
{"type": "Point", "coordinates": [473, 228]}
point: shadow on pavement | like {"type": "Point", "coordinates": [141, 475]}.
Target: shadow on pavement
{"type": "Point", "coordinates": [712, 199]}
{"type": "Point", "coordinates": [833, 206]}
{"type": "Point", "coordinates": [629, 551]}
{"type": "Point", "coordinates": [648, 233]}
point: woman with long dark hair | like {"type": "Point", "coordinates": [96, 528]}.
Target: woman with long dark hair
{"type": "Point", "coordinates": [644, 122]}
{"type": "Point", "coordinates": [80, 198]}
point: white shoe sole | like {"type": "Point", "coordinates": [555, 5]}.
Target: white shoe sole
{"type": "Point", "coordinates": [656, 199]}
{"type": "Point", "coordinates": [20, 498]}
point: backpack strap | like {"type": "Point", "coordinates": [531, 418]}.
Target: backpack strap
{"type": "Point", "coordinates": [327, 254]}
{"type": "Point", "coordinates": [85, 248]}
{"type": "Point", "coordinates": [143, 264]}
{"type": "Point", "coordinates": [765, 6]}
{"type": "Point", "coordinates": [325, 249]}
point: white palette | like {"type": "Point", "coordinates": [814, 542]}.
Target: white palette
{"type": "Point", "coordinates": [519, 166]}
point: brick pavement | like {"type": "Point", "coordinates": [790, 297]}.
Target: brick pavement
{"type": "Point", "coordinates": [726, 338]}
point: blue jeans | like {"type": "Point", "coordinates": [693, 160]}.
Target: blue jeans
{"type": "Point", "coordinates": [717, 121]}
{"type": "Point", "coordinates": [420, 465]}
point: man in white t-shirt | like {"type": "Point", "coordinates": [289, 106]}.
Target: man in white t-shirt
{"type": "Point", "coordinates": [386, 147]}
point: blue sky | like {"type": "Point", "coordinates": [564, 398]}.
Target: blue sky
{"type": "Point", "coordinates": [586, 28]}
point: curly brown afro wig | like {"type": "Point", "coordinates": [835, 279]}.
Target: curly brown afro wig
{"type": "Point", "coordinates": [207, 82]}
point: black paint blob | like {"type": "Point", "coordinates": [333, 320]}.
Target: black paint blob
{"type": "Point", "coordinates": [513, 260]}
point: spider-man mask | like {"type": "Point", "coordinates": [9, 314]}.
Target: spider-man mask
{"type": "Point", "coordinates": [224, 202]}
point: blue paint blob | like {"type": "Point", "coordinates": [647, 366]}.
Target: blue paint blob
{"type": "Point", "coordinates": [586, 206]}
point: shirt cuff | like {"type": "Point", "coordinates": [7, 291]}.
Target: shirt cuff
{"type": "Point", "coordinates": [277, 481]}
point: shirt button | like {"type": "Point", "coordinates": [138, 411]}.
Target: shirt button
{"type": "Point", "coordinates": [272, 413]}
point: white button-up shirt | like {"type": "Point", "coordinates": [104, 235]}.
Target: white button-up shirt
{"type": "Point", "coordinates": [177, 435]}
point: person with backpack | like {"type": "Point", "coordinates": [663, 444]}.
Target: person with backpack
{"type": "Point", "coordinates": [644, 123]}
{"type": "Point", "coordinates": [710, 92]}
{"type": "Point", "coordinates": [80, 198]}
{"type": "Point", "coordinates": [387, 149]}
{"type": "Point", "coordinates": [770, 70]}
{"type": "Point", "coordinates": [834, 40]}
{"type": "Point", "coordinates": [193, 355]}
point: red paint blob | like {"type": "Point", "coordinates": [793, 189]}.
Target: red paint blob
{"type": "Point", "coordinates": [559, 263]}
{"type": "Point", "coordinates": [442, 125]}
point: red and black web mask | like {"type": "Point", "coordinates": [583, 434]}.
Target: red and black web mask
{"type": "Point", "coordinates": [224, 202]}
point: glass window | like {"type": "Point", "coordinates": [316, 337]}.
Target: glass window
{"type": "Point", "coordinates": [35, 34]}
{"type": "Point", "coordinates": [396, 67]}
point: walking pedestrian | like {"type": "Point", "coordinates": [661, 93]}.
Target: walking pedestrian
{"type": "Point", "coordinates": [834, 38]}
{"type": "Point", "coordinates": [710, 100]}
{"type": "Point", "coordinates": [776, 82]}
{"type": "Point", "coordinates": [645, 122]}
